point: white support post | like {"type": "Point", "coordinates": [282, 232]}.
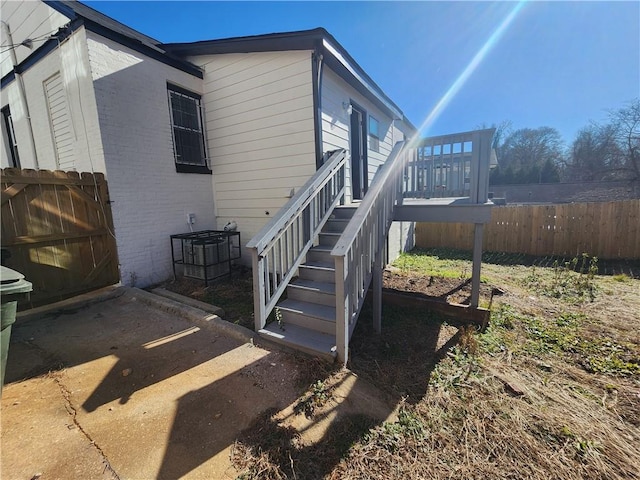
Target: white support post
{"type": "Point", "coordinates": [377, 292]}
{"type": "Point", "coordinates": [342, 312]}
{"type": "Point", "coordinates": [259, 310]}
{"type": "Point", "coordinates": [477, 263]}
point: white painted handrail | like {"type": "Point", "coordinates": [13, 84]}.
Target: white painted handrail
{"type": "Point", "coordinates": [362, 244]}
{"type": "Point", "coordinates": [281, 245]}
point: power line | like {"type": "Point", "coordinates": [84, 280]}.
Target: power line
{"type": "Point", "coordinates": [28, 42]}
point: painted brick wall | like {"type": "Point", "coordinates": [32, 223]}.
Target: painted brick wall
{"type": "Point", "coordinates": [151, 200]}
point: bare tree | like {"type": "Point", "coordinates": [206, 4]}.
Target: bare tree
{"type": "Point", "coordinates": [594, 154]}
{"type": "Point", "coordinates": [528, 150]}
{"type": "Point", "coordinates": [626, 123]}
{"type": "Point", "coordinates": [503, 129]}
{"type": "Point", "coordinates": [609, 151]}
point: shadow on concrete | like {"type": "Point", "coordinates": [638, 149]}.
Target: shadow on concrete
{"type": "Point", "coordinates": [203, 428]}
{"type": "Point", "coordinates": [149, 350]}
{"type": "Point", "coordinates": [139, 367]}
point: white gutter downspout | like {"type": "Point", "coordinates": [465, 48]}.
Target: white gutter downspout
{"type": "Point", "coordinates": [22, 93]}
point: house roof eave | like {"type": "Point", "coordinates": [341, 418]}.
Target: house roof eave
{"type": "Point", "coordinates": [118, 32]}
{"type": "Point", "coordinates": [336, 57]}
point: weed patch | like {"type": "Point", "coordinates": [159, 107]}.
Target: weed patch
{"type": "Point", "coordinates": [572, 281]}
{"type": "Point", "coordinates": [417, 262]}
{"type": "Point", "coordinates": [596, 354]}
{"type": "Point", "coordinates": [392, 436]}
{"type": "Point", "coordinates": [315, 398]}
{"type": "Point", "coordinates": [621, 277]}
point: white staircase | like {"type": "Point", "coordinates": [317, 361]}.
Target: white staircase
{"type": "Point", "coordinates": [307, 318]}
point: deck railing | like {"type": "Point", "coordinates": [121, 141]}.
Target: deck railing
{"type": "Point", "coordinates": [282, 244]}
{"type": "Point", "coordinates": [446, 166]}
{"type": "Point", "coordinates": [454, 165]}
{"type": "Point", "coordinates": [362, 244]}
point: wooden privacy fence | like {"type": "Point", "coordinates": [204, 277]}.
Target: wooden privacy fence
{"type": "Point", "coordinates": [607, 230]}
{"type": "Point", "coordinates": [58, 229]}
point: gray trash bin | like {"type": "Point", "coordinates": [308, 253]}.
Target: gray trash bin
{"type": "Point", "coordinates": [13, 288]}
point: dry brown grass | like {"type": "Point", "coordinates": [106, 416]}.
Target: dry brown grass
{"type": "Point", "coordinates": [550, 391]}
{"type": "Point", "coordinates": [526, 405]}
{"type": "Point", "coordinates": [477, 428]}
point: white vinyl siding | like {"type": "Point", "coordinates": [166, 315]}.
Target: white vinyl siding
{"type": "Point", "coordinates": [335, 122]}
{"type": "Point", "coordinates": [60, 122]}
{"type": "Point", "coordinates": [260, 132]}
{"type": "Point", "coordinates": [335, 134]}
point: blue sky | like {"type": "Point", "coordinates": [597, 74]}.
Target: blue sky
{"type": "Point", "coordinates": [557, 64]}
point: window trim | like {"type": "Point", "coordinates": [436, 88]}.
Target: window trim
{"type": "Point", "coordinates": [377, 129]}
{"type": "Point", "coordinates": [187, 167]}
{"type": "Point", "coordinates": [374, 134]}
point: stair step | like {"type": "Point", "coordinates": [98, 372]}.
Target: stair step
{"type": "Point", "coordinates": [344, 211]}
{"type": "Point", "coordinates": [320, 253]}
{"type": "Point", "coordinates": [335, 225]}
{"type": "Point", "coordinates": [323, 293]}
{"type": "Point", "coordinates": [328, 239]}
{"type": "Point", "coordinates": [313, 316]}
{"type": "Point", "coordinates": [309, 341]}
{"type": "Point", "coordinates": [321, 312]}
{"type": "Point", "coordinates": [317, 271]}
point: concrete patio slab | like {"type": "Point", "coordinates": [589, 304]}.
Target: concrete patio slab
{"type": "Point", "coordinates": [126, 388]}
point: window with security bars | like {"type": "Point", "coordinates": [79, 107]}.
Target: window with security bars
{"type": "Point", "coordinates": [188, 132]}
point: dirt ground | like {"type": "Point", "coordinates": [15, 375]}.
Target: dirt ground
{"type": "Point", "coordinates": [452, 290]}
{"type": "Point", "coordinates": [233, 294]}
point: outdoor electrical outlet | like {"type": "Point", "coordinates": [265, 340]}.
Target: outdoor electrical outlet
{"type": "Point", "coordinates": [191, 218]}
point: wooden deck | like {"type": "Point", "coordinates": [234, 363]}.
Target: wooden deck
{"type": "Point", "coordinates": [453, 209]}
